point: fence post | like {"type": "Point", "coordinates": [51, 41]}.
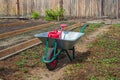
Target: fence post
{"type": "Point", "coordinates": [18, 8]}
{"type": "Point", "coordinates": [61, 3]}
{"type": "Point", "coordinates": [23, 8]}
{"type": "Point", "coordinates": [61, 7]}
{"type": "Point", "coordinates": [7, 7]}
{"type": "Point", "coordinates": [102, 6]}
{"type": "Point", "coordinates": [27, 7]}
{"type": "Point", "coordinates": [117, 9]}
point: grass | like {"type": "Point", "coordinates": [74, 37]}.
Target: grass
{"type": "Point", "coordinates": [91, 28]}
{"type": "Point", "coordinates": [31, 58]}
{"type": "Point", "coordinates": [116, 25]}
{"type": "Point", "coordinates": [103, 63]}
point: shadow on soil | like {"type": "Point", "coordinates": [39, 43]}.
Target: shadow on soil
{"type": "Point", "coordinates": [5, 72]}
{"type": "Point", "coordinates": [80, 57]}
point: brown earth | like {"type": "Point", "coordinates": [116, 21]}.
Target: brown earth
{"type": "Point", "coordinates": [40, 74]}
{"type": "Point", "coordinates": [9, 70]}
{"type": "Point", "coordinates": [7, 27]}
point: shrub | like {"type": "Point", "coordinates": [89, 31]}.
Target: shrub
{"type": "Point", "coordinates": [35, 15]}
{"type": "Point", "coordinates": [51, 14]}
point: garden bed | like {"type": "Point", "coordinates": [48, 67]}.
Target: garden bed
{"type": "Point", "coordinates": [7, 21]}
{"type": "Point", "coordinates": [100, 61]}
{"type": "Point", "coordinates": [24, 65]}
{"type": "Point", "coordinates": [13, 40]}
{"type": "Point", "coordinates": [17, 25]}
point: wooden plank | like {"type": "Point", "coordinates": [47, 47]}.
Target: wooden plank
{"type": "Point", "coordinates": [2, 8]}
{"type": "Point", "coordinates": [18, 47]}
{"type": "Point", "coordinates": [118, 8]}
{"type": "Point", "coordinates": [24, 30]}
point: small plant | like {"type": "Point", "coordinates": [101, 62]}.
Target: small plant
{"type": "Point", "coordinates": [35, 15]}
{"type": "Point", "coordinates": [51, 14]}
{"type": "Point", "coordinates": [23, 54]}
{"type": "Point", "coordinates": [102, 43]}
{"type": "Point", "coordinates": [110, 60]}
{"type": "Point", "coordinates": [21, 63]}
{"type": "Point", "coordinates": [79, 65]}
{"type": "Point", "coordinates": [36, 55]}
{"type": "Point", "coordinates": [70, 67]}
{"type": "Point", "coordinates": [90, 46]}
{"type": "Point", "coordinates": [25, 70]}
{"type": "Point", "coordinates": [93, 78]}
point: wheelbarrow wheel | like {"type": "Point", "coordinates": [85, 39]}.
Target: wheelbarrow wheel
{"type": "Point", "coordinates": [53, 64]}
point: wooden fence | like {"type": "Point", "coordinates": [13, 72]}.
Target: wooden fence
{"type": "Point", "coordinates": [75, 8]}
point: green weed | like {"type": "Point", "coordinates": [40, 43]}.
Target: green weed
{"type": "Point", "coordinates": [35, 15]}
{"type": "Point", "coordinates": [51, 14]}
{"type": "Point", "coordinates": [25, 70]}
{"type": "Point", "coordinates": [116, 25]}
{"type": "Point", "coordinates": [102, 42]}
{"type": "Point", "coordinates": [108, 61]}
{"type": "Point", "coordinates": [90, 46]}
{"type": "Point", "coordinates": [21, 63]}
{"type": "Point", "coordinates": [79, 65]}
{"type": "Point", "coordinates": [23, 54]}
{"type": "Point", "coordinates": [93, 78]}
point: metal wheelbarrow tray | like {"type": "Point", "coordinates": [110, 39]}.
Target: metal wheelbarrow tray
{"type": "Point", "coordinates": [68, 41]}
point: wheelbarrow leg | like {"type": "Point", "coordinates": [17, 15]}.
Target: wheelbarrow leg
{"type": "Point", "coordinates": [73, 52]}
{"type": "Point", "coordinates": [68, 55]}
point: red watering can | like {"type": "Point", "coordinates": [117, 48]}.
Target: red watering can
{"type": "Point", "coordinates": [57, 33]}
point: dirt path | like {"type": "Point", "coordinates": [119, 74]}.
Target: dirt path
{"type": "Point", "coordinates": [82, 47]}
{"type": "Point", "coordinates": [44, 74]}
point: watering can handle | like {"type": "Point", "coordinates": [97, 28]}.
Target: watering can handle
{"type": "Point", "coordinates": [63, 26]}
{"type": "Point", "coordinates": [84, 27]}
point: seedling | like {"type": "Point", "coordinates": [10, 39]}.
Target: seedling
{"type": "Point", "coordinates": [21, 63]}
{"type": "Point", "coordinates": [35, 15]}
{"type": "Point", "coordinates": [24, 70]}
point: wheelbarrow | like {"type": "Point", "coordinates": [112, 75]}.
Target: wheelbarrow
{"type": "Point", "coordinates": [56, 45]}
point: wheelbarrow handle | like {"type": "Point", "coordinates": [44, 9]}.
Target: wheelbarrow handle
{"type": "Point", "coordinates": [84, 27]}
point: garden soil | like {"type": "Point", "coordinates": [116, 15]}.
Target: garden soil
{"type": "Point", "coordinates": [44, 74]}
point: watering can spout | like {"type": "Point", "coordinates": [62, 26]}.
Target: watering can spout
{"type": "Point", "coordinates": [84, 27]}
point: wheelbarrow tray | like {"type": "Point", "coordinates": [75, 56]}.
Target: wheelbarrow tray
{"type": "Point", "coordinates": [67, 42]}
